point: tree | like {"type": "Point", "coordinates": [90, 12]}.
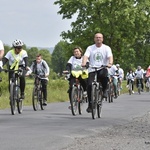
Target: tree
{"type": "Point", "coordinates": [59, 59]}
{"type": "Point", "coordinates": [123, 23]}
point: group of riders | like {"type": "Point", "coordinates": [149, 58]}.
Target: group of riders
{"type": "Point", "coordinates": [96, 55]}
{"type": "Point", "coordinates": [139, 75]}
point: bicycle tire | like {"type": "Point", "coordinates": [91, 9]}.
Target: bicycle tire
{"type": "Point", "coordinates": [40, 97]}
{"type": "Point", "coordinates": [19, 101]}
{"type": "Point", "coordinates": [94, 100]}
{"type": "Point", "coordinates": [35, 100]}
{"type": "Point", "coordinates": [74, 100]}
{"type": "Point", "coordinates": [109, 93]}
{"type": "Point", "coordinates": [130, 88]}
{"type": "Point", "coordinates": [112, 93]}
{"type": "Point", "coordinates": [81, 101]}
{"type": "Point", "coordinates": [99, 104]}
{"type": "Point", "coordinates": [12, 99]}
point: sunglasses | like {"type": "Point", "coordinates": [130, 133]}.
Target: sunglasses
{"type": "Point", "coordinates": [18, 47]}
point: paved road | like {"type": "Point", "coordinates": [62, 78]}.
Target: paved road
{"type": "Point", "coordinates": [55, 127]}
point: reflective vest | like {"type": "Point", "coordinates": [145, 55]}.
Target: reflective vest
{"type": "Point", "coordinates": [15, 64]}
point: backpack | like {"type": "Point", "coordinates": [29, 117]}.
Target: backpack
{"type": "Point", "coordinates": [35, 66]}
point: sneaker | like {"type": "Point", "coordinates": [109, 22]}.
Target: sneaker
{"type": "Point", "coordinates": [85, 94]}
{"type": "Point", "coordinates": [132, 92]}
{"type": "Point", "coordinates": [89, 109]}
{"type": "Point", "coordinates": [69, 107]}
{"type": "Point", "coordinates": [127, 86]}
{"type": "Point", "coordinates": [45, 103]}
{"type": "Point", "coordinates": [115, 96]}
{"type": "Point", "coordinates": [22, 96]}
{"type": "Point", "coordinates": [105, 94]}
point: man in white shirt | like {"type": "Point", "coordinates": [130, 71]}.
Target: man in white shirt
{"type": "Point", "coordinates": [139, 74]}
{"type": "Point", "coordinates": [121, 75]}
{"type": "Point", "coordinates": [98, 54]}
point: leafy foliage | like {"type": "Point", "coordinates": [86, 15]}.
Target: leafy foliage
{"type": "Point", "coordinates": [124, 23]}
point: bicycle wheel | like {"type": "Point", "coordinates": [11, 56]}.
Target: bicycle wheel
{"type": "Point", "coordinates": [74, 100]}
{"type": "Point", "coordinates": [109, 93]}
{"type": "Point", "coordinates": [40, 97]}
{"type": "Point", "coordinates": [12, 99]}
{"type": "Point", "coordinates": [99, 104]}
{"type": "Point", "coordinates": [19, 101]}
{"type": "Point", "coordinates": [35, 100]}
{"type": "Point", "coordinates": [139, 89]}
{"type": "Point", "coordinates": [130, 88]}
{"type": "Point", "coordinates": [94, 100]}
{"type": "Point", "coordinates": [81, 101]}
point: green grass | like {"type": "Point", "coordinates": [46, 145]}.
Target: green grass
{"type": "Point", "coordinates": [56, 93]}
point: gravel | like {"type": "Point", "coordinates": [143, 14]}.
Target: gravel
{"type": "Point", "coordinates": [134, 135]}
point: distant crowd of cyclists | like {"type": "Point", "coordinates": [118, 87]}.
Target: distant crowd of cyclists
{"type": "Point", "coordinates": [96, 55]}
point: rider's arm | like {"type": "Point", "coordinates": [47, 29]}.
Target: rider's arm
{"type": "Point", "coordinates": [26, 61]}
{"type": "Point", "coordinates": [110, 61]}
{"type": "Point", "coordinates": [84, 60]}
{"type": "Point", "coordinates": [68, 67]}
{"type": "Point", "coordinates": [4, 60]}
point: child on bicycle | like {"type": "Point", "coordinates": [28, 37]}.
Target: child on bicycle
{"type": "Point", "coordinates": [74, 63]}
{"type": "Point", "coordinates": [41, 68]}
{"type": "Point", "coordinates": [130, 76]}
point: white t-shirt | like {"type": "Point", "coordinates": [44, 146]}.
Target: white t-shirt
{"type": "Point", "coordinates": [1, 45]}
{"type": "Point", "coordinates": [11, 58]}
{"type": "Point", "coordinates": [98, 56]}
{"type": "Point", "coordinates": [121, 73]}
{"type": "Point", "coordinates": [112, 70]}
{"type": "Point", "coordinates": [139, 73]}
{"type": "Point", "coordinates": [76, 63]}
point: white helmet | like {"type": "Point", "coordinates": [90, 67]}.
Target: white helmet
{"type": "Point", "coordinates": [17, 43]}
{"type": "Point", "coordinates": [117, 65]}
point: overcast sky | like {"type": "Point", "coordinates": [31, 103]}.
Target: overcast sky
{"type": "Point", "coordinates": [35, 22]}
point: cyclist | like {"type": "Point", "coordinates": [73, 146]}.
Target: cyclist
{"type": "Point", "coordinates": [121, 75]}
{"type": "Point", "coordinates": [1, 52]}
{"type": "Point", "coordinates": [1, 55]}
{"type": "Point", "coordinates": [130, 76]}
{"type": "Point", "coordinates": [139, 74]}
{"type": "Point", "coordinates": [147, 75]}
{"type": "Point", "coordinates": [17, 58]}
{"type": "Point", "coordinates": [41, 68]}
{"type": "Point", "coordinates": [74, 63]}
{"type": "Point", "coordinates": [113, 75]}
{"type": "Point", "coordinates": [98, 54]}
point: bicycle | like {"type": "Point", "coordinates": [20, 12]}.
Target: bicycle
{"type": "Point", "coordinates": [96, 95]}
{"type": "Point", "coordinates": [37, 94]}
{"type": "Point", "coordinates": [15, 99]}
{"type": "Point", "coordinates": [77, 99]}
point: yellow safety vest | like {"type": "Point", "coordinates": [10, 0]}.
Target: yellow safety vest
{"type": "Point", "coordinates": [15, 64]}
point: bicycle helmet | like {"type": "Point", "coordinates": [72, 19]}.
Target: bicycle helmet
{"type": "Point", "coordinates": [17, 43]}
{"type": "Point", "coordinates": [117, 65]}
{"type": "Point", "coordinates": [139, 67]}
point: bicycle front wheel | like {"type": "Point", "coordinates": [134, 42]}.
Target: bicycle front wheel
{"type": "Point", "coordinates": [35, 100]}
{"type": "Point", "coordinates": [74, 100]}
{"type": "Point", "coordinates": [94, 100]}
{"type": "Point", "coordinates": [12, 99]}
{"type": "Point", "coordinates": [19, 101]}
{"type": "Point", "coordinates": [40, 98]}
{"type": "Point", "coordinates": [81, 101]}
{"type": "Point", "coordinates": [99, 104]}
